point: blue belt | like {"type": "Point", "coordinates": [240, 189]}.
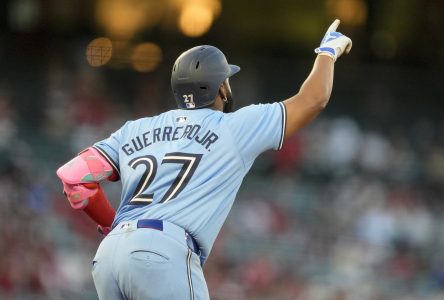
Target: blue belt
{"type": "Point", "coordinates": [158, 225]}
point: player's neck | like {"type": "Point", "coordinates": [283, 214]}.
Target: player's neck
{"type": "Point", "coordinates": [218, 104]}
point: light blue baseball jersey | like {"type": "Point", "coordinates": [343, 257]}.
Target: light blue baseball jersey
{"type": "Point", "coordinates": [186, 166]}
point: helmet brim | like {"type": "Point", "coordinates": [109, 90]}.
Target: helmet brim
{"type": "Point", "coordinates": [233, 70]}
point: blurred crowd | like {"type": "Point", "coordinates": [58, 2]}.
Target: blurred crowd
{"type": "Point", "coordinates": [342, 212]}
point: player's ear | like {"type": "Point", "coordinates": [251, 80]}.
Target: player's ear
{"type": "Point", "coordinates": [222, 92]}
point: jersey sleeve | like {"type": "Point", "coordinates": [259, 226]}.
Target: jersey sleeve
{"type": "Point", "coordinates": [109, 148]}
{"type": "Point", "coordinates": [257, 128]}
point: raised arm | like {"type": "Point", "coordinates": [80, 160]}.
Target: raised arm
{"type": "Point", "coordinates": [315, 92]}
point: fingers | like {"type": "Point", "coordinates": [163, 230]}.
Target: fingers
{"type": "Point", "coordinates": [333, 26]}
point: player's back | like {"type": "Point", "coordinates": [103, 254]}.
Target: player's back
{"type": "Point", "coordinates": [186, 166]}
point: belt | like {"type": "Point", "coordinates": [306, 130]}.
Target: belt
{"type": "Point", "coordinates": [158, 225]}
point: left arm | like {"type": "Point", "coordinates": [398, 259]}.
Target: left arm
{"type": "Point", "coordinates": [80, 177]}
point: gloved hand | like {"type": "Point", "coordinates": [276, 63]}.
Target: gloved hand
{"type": "Point", "coordinates": [78, 194]}
{"type": "Point", "coordinates": [334, 43]}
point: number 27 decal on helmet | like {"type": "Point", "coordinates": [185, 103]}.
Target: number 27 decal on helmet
{"type": "Point", "coordinates": [189, 102]}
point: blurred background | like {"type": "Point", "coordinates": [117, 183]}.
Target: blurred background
{"type": "Point", "coordinates": [351, 208]}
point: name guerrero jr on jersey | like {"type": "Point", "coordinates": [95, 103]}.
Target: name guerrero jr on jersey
{"type": "Point", "coordinates": [169, 133]}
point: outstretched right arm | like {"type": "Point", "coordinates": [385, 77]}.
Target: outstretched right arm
{"type": "Point", "coordinates": [315, 92]}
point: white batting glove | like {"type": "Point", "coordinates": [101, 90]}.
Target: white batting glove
{"type": "Point", "coordinates": [334, 43]}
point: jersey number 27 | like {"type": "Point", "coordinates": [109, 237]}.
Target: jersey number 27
{"type": "Point", "coordinates": [189, 164]}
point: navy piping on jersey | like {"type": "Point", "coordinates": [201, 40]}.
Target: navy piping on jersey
{"type": "Point", "coordinates": [108, 158]}
{"type": "Point", "coordinates": [284, 124]}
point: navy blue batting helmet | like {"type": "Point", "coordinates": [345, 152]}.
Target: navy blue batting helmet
{"type": "Point", "coordinates": [197, 75]}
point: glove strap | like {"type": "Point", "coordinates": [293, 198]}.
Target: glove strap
{"type": "Point", "coordinates": [328, 51]}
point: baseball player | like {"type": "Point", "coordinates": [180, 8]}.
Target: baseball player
{"type": "Point", "coordinates": [180, 172]}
